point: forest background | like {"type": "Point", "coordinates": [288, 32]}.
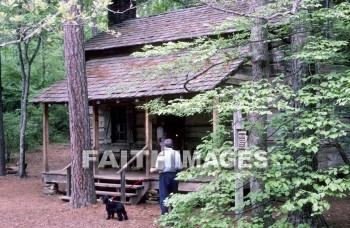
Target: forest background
{"type": "Point", "coordinates": [309, 113]}
{"type": "Point", "coordinates": [47, 68]}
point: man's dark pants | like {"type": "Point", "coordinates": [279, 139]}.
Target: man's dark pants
{"type": "Point", "coordinates": [167, 185]}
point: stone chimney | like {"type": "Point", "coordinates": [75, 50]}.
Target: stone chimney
{"type": "Point", "coordinates": [121, 11]}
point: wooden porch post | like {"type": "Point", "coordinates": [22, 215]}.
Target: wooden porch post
{"type": "Point", "coordinates": [148, 139]}
{"type": "Point", "coordinates": [96, 138]}
{"type": "Point", "coordinates": [45, 136]}
{"type": "Point", "coordinates": [215, 120]}
{"type": "Point", "coordinates": [238, 143]}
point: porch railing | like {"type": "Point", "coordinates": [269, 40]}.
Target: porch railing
{"type": "Point", "coordinates": [121, 172]}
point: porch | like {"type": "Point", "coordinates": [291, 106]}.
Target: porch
{"type": "Point", "coordinates": [129, 189]}
{"type": "Point", "coordinates": [132, 162]}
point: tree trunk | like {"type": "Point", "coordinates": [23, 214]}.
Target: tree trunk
{"type": "Point", "coordinates": [25, 73]}
{"type": "Point", "coordinates": [83, 186]}
{"type": "Point", "coordinates": [260, 70]}
{"type": "Point", "coordinates": [2, 135]}
{"type": "Point", "coordinates": [94, 29]}
{"type": "Point", "coordinates": [25, 65]}
{"type": "Point", "coordinates": [299, 69]}
{"type": "Point", "coordinates": [43, 62]}
{"type": "Point", "coordinates": [259, 48]}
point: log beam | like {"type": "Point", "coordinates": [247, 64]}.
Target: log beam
{"type": "Point", "coordinates": [45, 136]}
{"type": "Point", "coordinates": [96, 139]}
{"type": "Point", "coordinates": [148, 139]}
{"type": "Point", "coordinates": [215, 118]}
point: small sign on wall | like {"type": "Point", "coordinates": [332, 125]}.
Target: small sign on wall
{"type": "Point", "coordinates": [242, 140]}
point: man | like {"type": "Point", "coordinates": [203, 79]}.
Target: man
{"type": "Point", "coordinates": [168, 164]}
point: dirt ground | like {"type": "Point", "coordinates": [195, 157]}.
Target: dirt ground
{"type": "Point", "coordinates": [22, 203]}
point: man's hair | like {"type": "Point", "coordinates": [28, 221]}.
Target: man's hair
{"type": "Point", "coordinates": [168, 143]}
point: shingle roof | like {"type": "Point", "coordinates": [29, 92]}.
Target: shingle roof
{"type": "Point", "coordinates": [176, 25]}
{"type": "Point", "coordinates": [124, 77]}
{"type": "Point", "coordinates": [130, 77]}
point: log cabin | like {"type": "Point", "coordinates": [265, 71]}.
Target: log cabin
{"type": "Point", "coordinates": [119, 82]}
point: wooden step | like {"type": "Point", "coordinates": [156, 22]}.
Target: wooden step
{"type": "Point", "coordinates": [107, 177]}
{"type": "Point", "coordinates": [117, 186]}
{"type": "Point", "coordinates": [100, 193]}
{"type": "Point", "coordinates": [117, 177]}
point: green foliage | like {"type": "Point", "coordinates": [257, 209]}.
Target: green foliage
{"type": "Point", "coordinates": [27, 21]}
{"type": "Point", "coordinates": [161, 6]}
{"type": "Point", "coordinates": [58, 123]}
{"type": "Point", "coordinates": [322, 50]}
{"type": "Point", "coordinates": [19, 18]}
{"type": "Point", "coordinates": [11, 82]}
{"type": "Point", "coordinates": [285, 176]}
{"type": "Point", "coordinates": [11, 133]}
{"type": "Point", "coordinates": [33, 133]}
{"type": "Point", "coordinates": [299, 132]}
{"type": "Point", "coordinates": [329, 41]}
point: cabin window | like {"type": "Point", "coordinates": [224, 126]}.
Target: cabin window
{"type": "Point", "coordinates": [119, 125]}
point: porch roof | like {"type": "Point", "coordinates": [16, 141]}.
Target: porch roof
{"type": "Point", "coordinates": [132, 77]}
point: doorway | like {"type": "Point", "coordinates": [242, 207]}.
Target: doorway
{"type": "Point", "coordinates": [174, 128]}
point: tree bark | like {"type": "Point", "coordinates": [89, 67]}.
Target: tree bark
{"type": "Point", "coordinates": [23, 120]}
{"type": "Point", "coordinates": [25, 65]}
{"type": "Point", "coordinates": [83, 186]}
{"type": "Point", "coordinates": [300, 70]}
{"type": "Point", "coordinates": [259, 48]}
{"type": "Point", "coordinates": [260, 70]}
{"type": "Point", "coordinates": [94, 29]}
{"type": "Point", "coordinates": [2, 135]}
{"type": "Point", "coordinates": [43, 62]}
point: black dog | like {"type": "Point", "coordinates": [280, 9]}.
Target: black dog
{"type": "Point", "coordinates": [114, 207]}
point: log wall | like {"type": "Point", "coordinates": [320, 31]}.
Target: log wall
{"type": "Point", "coordinates": [195, 128]}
